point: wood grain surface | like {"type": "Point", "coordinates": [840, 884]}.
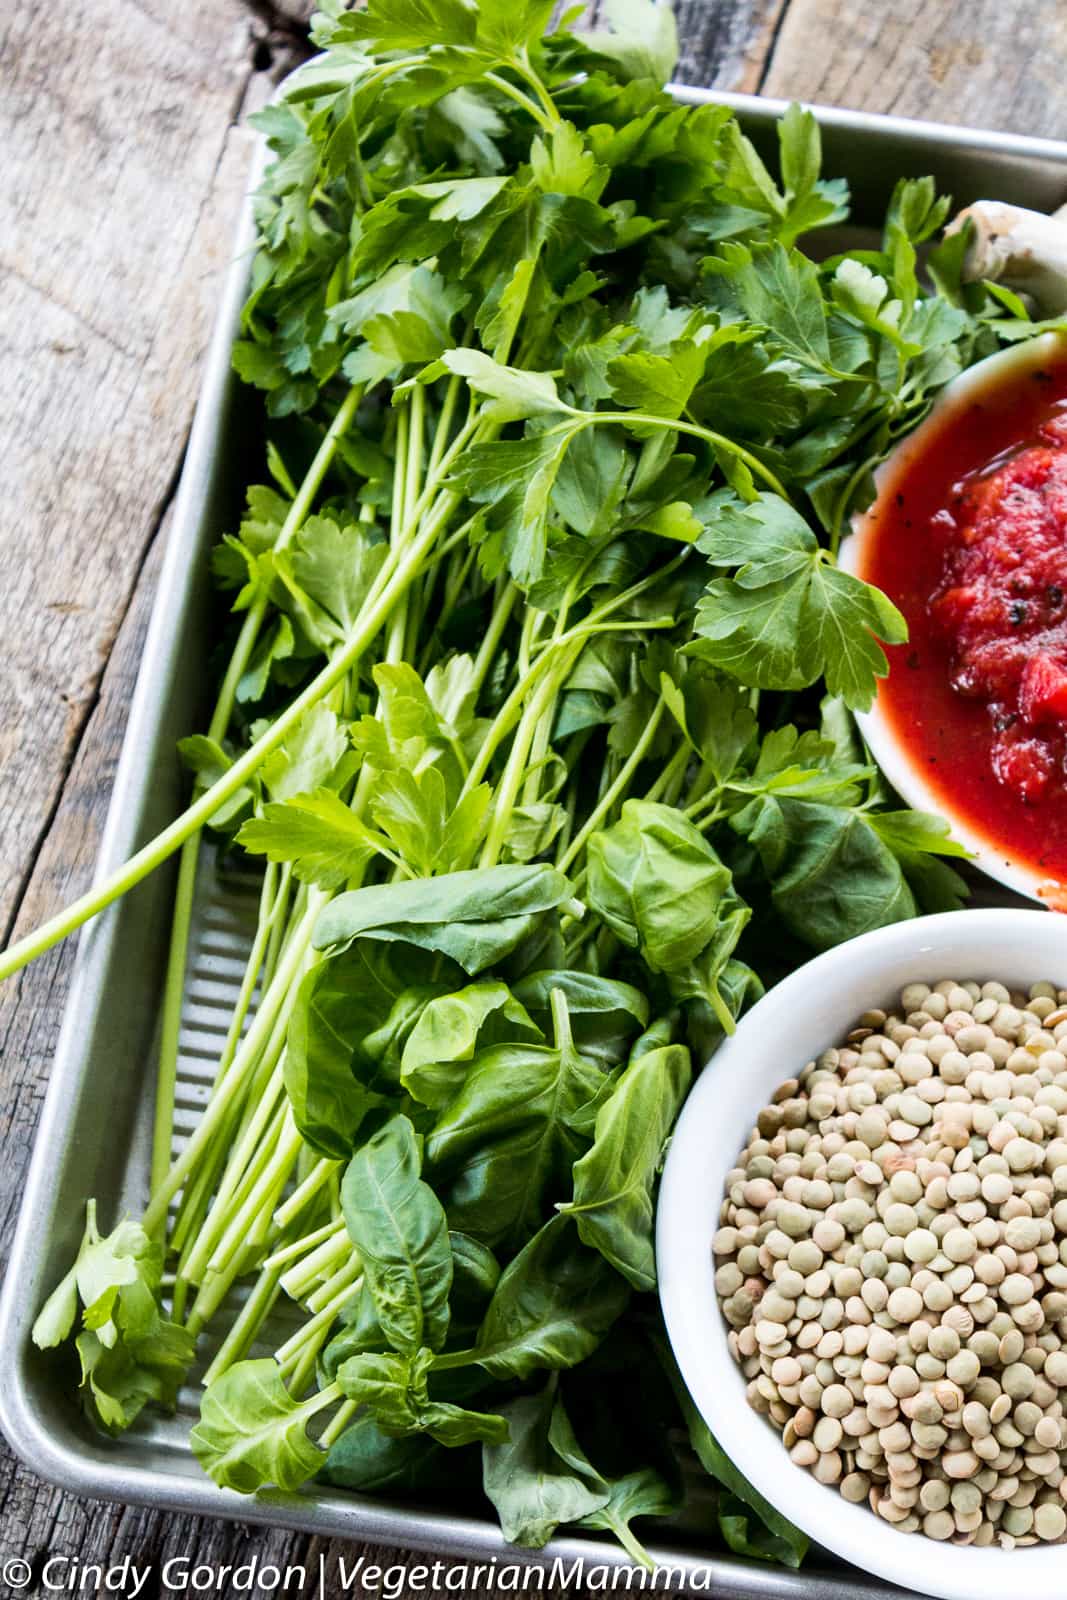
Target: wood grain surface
{"type": "Point", "coordinates": [124, 162]}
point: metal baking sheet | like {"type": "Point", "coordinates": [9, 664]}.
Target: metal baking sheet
{"type": "Point", "coordinates": [95, 1131]}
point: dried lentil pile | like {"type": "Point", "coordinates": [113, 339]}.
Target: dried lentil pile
{"type": "Point", "coordinates": [892, 1263]}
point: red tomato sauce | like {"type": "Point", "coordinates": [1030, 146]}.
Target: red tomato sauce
{"type": "Point", "coordinates": [970, 540]}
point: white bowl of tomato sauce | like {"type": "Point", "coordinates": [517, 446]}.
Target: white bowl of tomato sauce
{"type": "Point", "coordinates": [968, 535]}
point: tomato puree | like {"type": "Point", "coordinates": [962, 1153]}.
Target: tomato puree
{"type": "Point", "coordinates": [970, 540]}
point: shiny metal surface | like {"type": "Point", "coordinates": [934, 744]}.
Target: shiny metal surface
{"type": "Point", "coordinates": [95, 1130]}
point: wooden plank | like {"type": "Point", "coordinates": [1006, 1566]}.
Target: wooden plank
{"type": "Point", "coordinates": [724, 43]}
{"type": "Point", "coordinates": [113, 234]}
{"type": "Point", "coordinates": [984, 63]}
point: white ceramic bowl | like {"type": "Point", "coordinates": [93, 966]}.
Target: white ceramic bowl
{"type": "Point", "coordinates": [903, 766]}
{"type": "Point", "coordinates": [794, 1022]}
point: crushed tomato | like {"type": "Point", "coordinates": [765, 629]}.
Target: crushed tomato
{"type": "Point", "coordinates": [970, 539]}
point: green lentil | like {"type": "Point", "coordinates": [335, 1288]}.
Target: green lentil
{"type": "Point", "coordinates": [891, 1258]}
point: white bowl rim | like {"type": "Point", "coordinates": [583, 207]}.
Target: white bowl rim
{"type": "Point", "coordinates": [897, 762]}
{"type": "Point", "coordinates": [810, 1009]}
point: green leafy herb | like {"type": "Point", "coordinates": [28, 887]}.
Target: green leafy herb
{"type": "Point", "coordinates": [613, 1181]}
{"type": "Point", "coordinates": [533, 720]}
{"type": "Point", "coordinates": [398, 1226]}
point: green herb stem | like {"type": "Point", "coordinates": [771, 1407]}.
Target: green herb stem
{"type": "Point", "coordinates": [507, 791]}
{"type": "Point", "coordinates": [248, 1157]}
{"type": "Point", "coordinates": [260, 1200]}
{"type": "Point", "coordinates": [170, 1024]}
{"type": "Point", "coordinates": [278, 999]}
{"type": "Point", "coordinates": [695, 431]}
{"type": "Point", "coordinates": [617, 788]}
{"type": "Point", "coordinates": [290, 1352]}
{"type": "Point", "coordinates": [171, 1009]}
{"type": "Point", "coordinates": [250, 1319]}
{"type": "Point", "coordinates": [524, 67]}
{"type": "Point", "coordinates": [301, 1280]}
{"type": "Point", "coordinates": [316, 1180]}
{"type": "Point", "coordinates": [152, 855]}
{"type": "Point", "coordinates": [230, 1258]}
{"type": "Point", "coordinates": [514, 93]}
{"type": "Point", "coordinates": [342, 1278]}
{"type": "Point", "coordinates": [337, 1424]}
{"type": "Point", "coordinates": [300, 1247]}
{"type": "Point", "coordinates": [672, 773]}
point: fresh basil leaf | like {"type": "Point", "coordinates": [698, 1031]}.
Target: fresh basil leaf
{"type": "Point", "coordinates": [368, 1461]}
{"type": "Point", "coordinates": [919, 841]}
{"type": "Point", "coordinates": [444, 1039]}
{"type": "Point", "coordinates": [831, 875]}
{"type": "Point", "coordinates": [252, 1433]}
{"type": "Point", "coordinates": [657, 883]}
{"type": "Point", "coordinates": [335, 1009]}
{"type": "Point", "coordinates": [398, 1226]}
{"type": "Point", "coordinates": [476, 917]}
{"type": "Point", "coordinates": [641, 1493]}
{"type": "Point", "coordinates": [395, 1390]}
{"type": "Point", "coordinates": [613, 1181]}
{"type": "Point", "coordinates": [506, 1136]}
{"type": "Point", "coordinates": [605, 1013]}
{"type": "Point", "coordinates": [529, 1484]}
{"type": "Point", "coordinates": [554, 1303]}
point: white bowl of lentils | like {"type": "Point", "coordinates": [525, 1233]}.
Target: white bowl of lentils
{"type": "Point", "coordinates": [862, 1251]}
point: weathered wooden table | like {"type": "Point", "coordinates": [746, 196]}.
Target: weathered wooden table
{"type": "Point", "coordinates": [125, 150]}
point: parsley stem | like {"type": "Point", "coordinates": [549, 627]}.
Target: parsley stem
{"type": "Point", "coordinates": [513, 92]}
{"type": "Point", "coordinates": [249, 1155]}
{"type": "Point", "coordinates": [171, 1009]}
{"type": "Point", "coordinates": [294, 521]}
{"type": "Point", "coordinates": [281, 991]}
{"type": "Point", "coordinates": [618, 787]}
{"type": "Point", "coordinates": [253, 1314]}
{"type": "Point", "coordinates": [400, 575]}
{"type": "Point", "coordinates": [273, 901]}
{"type": "Point", "coordinates": [502, 610]}
{"type": "Point", "coordinates": [679, 425]}
{"type": "Point", "coordinates": [398, 517]}
{"type": "Point", "coordinates": [524, 67]}
{"type": "Point", "coordinates": [444, 425]}
{"type": "Point", "coordinates": [674, 769]}
{"type": "Point", "coordinates": [195, 1200]}
{"type": "Point", "coordinates": [507, 790]}
{"type": "Point", "coordinates": [844, 500]}
{"type": "Point", "coordinates": [181, 923]}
